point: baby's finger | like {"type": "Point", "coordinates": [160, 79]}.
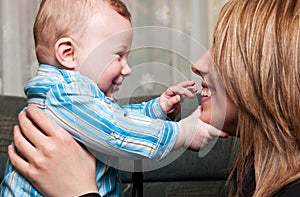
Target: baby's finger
{"type": "Point", "coordinates": [186, 84]}
{"type": "Point", "coordinates": [173, 101]}
{"type": "Point", "coordinates": [193, 89]}
{"type": "Point", "coordinates": [216, 132]}
{"type": "Point", "coordinates": [188, 92]}
{"type": "Point", "coordinates": [185, 92]}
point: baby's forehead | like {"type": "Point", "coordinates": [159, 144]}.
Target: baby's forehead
{"type": "Point", "coordinates": [106, 8]}
{"type": "Point", "coordinates": [107, 16]}
{"type": "Point", "coordinates": [119, 7]}
{"type": "Point", "coordinates": [108, 26]}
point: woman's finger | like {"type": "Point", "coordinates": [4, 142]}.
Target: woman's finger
{"type": "Point", "coordinates": [30, 130]}
{"type": "Point", "coordinates": [17, 161]}
{"type": "Point", "coordinates": [24, 147]}
{"type": "Point", "coordinates": [43, 121]}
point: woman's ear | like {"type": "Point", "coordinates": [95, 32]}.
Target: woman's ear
{"type": "Point", "coordinates": [65, 49]}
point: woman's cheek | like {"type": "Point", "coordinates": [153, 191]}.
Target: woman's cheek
{"type": "Point", "coordinates": [205, 115]}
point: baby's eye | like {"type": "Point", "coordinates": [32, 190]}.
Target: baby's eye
{"type": "Point", "coordinates": [120, 54]}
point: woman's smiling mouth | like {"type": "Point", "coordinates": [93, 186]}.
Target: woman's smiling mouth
{"type": "Point", "coordinates": [206, 90]}
{"type": "Point", "coordinates": [205, 93]}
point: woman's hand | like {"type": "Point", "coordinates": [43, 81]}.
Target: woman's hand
{"type": "Point", "coordinates": [51, 159]}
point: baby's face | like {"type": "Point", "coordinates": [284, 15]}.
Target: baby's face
{"type": "Point", "coordinates": [217, 108]}
{"type": "Point", "coordinates": [103, 54]}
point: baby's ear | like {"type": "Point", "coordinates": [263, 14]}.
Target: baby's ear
{"type": "Point", "coordinates": [65, 53]}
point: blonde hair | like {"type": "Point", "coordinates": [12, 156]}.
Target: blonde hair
{"type": "Point", "coordinates": [67, 18]}
{"type": "Point", "coordinates": [256, 48]}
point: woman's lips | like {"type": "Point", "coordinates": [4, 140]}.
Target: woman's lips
{"type": "Point", "coordinates": [206, 92]}
{"type": "Point", "coordinates": [206, 95]}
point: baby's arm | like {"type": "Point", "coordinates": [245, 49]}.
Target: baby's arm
{"type": "Point", "coordinates": [104, 127]}
{"type": "Point", "coordinates": [170, 100]}
{"type": "Point", "coordinates": [149, 108]}
{"type": "Point", "coordinates": [166, 106]}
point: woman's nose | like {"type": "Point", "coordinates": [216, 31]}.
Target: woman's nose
{"type": "Point", "coordinates": [203, 64]}
{"type": "Point", "coordinates": [196, 70]}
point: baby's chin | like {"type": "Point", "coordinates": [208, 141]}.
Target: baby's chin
{"type": "Point", "coordinates": [109, 94]}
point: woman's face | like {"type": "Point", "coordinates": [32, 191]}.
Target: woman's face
{"type": "Point", "coordinates": [216, 108]}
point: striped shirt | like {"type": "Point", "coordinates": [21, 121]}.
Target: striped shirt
{"type": "Point", "coordinates": [99, 122]}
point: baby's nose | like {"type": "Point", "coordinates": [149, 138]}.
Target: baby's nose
{"type": "Point", "coordinates": [126, 71]}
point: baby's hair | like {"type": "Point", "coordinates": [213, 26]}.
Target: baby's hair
{"type": "Point", "coordinates": [67, 18]}
{"type": "Point", "coordinates": [121, 8]}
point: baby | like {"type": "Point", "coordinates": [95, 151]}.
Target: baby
{"type": "Point", "coordinates": [82, 48]}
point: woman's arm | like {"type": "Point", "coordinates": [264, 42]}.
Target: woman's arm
{"type": "Point", "coordinates": [51, 159]}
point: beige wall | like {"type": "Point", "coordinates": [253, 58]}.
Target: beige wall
{"type": "Point", "coordinates": [214, 7]}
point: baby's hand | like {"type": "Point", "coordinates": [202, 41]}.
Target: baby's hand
{"type": "Point", "coordinates": [195, 134]}
{"type": "Point", "coordinates": [170, 100]}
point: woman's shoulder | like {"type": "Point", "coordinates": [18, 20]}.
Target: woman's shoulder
{"type": "Point", "coordinates": [290, 190]}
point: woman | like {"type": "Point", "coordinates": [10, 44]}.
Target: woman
{"type": "Point", "coordinates": [256, 62]}
{"type": "Point", "coordinates": [256, 52]}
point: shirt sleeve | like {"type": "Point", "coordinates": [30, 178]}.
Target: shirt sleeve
{"type": "Point", "coordinates": [103, 126]}
{"type": "Point", "coordinates": [150, 108]}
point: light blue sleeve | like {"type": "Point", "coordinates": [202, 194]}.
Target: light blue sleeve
{"type": "Point", "coordinates": [149, 108]}
{"type": "Point", "coordinates": [102, 125]}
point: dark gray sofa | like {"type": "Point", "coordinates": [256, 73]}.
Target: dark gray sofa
{"type": "Point", "coordinates": [188, 175]}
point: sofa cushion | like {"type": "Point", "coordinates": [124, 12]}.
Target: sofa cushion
{"type": "Point", "coordinates": [10, 107]}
